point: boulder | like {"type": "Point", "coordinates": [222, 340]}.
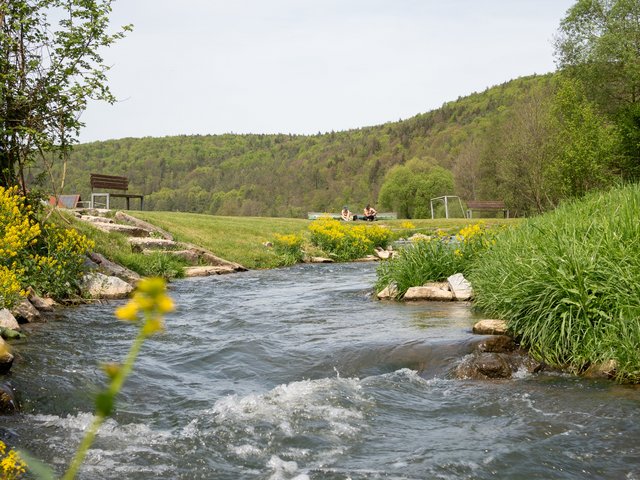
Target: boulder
{"type": "Point", "coordinates": [8, 334]}
{"type": "Point", "coordinates": [97, 285]}
{"type": "Point", "coordinates": [478, 366]}
{"type": "Point", "coordinates": [6, 359]}
{"type": "Point", "coordinates": [384, 254]}
{"type": "Point", "coordinates": [429, 292]}
{"type": "Point", "coordinates": [389, 292]}
{"type": "Point", "coordinates": [8, 402]}
{"type": "Point", "coordinates": [497, 344]}
{"type": "Point", "coordinates": [206, 270]}
{"type": "Point", "coordinates": [460, 287]}
{"type": "Point", "coordinates": [113, 269]}
{"type": "Point", "coordinates": [25, 312]}
{"type": "Point", "coordinates": [602, 370]}
{"type": "Point", "coordinates": [7, 320]}
{"type": "Point", "coordinates": [490, 327]}
{"type": "Point", "coordinates": [42, 304]}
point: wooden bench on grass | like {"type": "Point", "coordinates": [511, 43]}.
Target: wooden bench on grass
{"type": "Point", "coordinates": [337, 216]}
{"type": "Point", "coordinates": [487, 206]}
{"type": "Point", "coordinates": [111, 182]}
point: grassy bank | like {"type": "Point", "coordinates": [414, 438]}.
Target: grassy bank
{"type": "Point", "coordinates": [241, 239]}
{"type": "Point", "coordinates": [568, 283]}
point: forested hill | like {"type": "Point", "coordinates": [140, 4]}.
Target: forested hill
{"type": "Point", "coordinates": [288, 175]}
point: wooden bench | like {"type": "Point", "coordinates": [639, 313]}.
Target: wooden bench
{"type": "Point", "coordinates": [111, 182]}
{"type": "Point", "coordinates": [487, 205]}
{"type": "Point", "coordinates": [337, 216]}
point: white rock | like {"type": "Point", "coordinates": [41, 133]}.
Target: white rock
{"type": "Point", "coordinates": [97, 285]}
{"type": "Point", "coordinates": [460, 287]}
{"type": "Point", "coordinates": [7, 320]}
{"type": "Point", "coordinates": [428, 292]}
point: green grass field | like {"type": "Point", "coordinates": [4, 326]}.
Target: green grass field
{"type": "Point", "coordinates": [241, 239]}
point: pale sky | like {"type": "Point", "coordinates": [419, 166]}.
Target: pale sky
{"type": "Point", "coordinates": [308, 66]}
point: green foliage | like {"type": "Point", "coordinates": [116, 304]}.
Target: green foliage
{"type": "Point", "coordinates": [289, 175]}
{"type": "Point", "coordinates": [155, 264]}
{"type": "Point", "coordinates": [345, 241]}
{"type": "Point", "coordinates": [568, 283]}
{"type": "Point", "coordinates": [48, 73]}
{"type": "Point", "coordinates": [44, 256]}
{"type": "Point", "coordinates": [597, 44]}
{"type": "Point", "coordinates": [408, 189]}
{"type": "Point", "coordinates": [585, 146]}
{"type": "Point", "coordinates": [435, 258]}
{"type": "Point", "coordinates": [289, 248]}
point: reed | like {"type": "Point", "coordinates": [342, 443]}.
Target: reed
{"type": "Point", "coordinates": [568, 283]}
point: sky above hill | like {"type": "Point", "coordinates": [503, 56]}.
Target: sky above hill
{"type": "Point", "coordinates": [309, 66]}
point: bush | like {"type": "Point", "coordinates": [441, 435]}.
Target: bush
{"type": "Point", "coordinates": [47, 257]}
{"type": "Point", "coordinates": [345, 241]}
{"type": "Point", "coordinates": [568, 283]}
{"type": "Point", "coordinates": [289, 248]}
{"type": "Point", "coordinates": [434, 259]}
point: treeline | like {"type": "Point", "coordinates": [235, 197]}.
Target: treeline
{"type": "Point", "coordinates": [288, 175]}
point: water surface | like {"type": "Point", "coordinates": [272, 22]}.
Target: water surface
{"type": "Point", "coordinates": [299, 374]}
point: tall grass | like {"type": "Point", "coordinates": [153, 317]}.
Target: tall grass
{"type": "Point", "coordinates": [568, 283]}
{"type": "Point", "coordinates": [435, 258]}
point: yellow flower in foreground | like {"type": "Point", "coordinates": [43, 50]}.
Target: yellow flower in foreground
{"type": "Point", "coordinates": [150, 299]}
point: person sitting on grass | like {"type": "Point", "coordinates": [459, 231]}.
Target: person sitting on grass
{"type": "Point", "coordinates": [369, 213]}
{"type": "Point", "coordinates": [346, 214]}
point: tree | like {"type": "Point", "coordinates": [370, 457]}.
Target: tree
{"type": "Point", "coordinates": [407, 189]}
{"type": "Point", "coordinates": [599, 44]}
{"type": "Point", "coordinates": [48, 73]}
{"type": "Point", "coordinates": [585, 146]}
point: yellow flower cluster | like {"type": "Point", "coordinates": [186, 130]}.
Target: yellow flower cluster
{"type": "Point", "coordinates": [69, 240]}
{"type": "Point", "coordinates": [289, 241]}
{"type": "Point", "coordinates": [407, 225]}
{"type": "Point", "coordinates": [18, 229]}
{"type": "Point", "coordinates": [347, 241]}
{"type": "Point", "coordinates": [12, 466]}
{"type": "Point", "coordinates": [10, 289]}
{"type": "Point", "coordinates": [150, 299]}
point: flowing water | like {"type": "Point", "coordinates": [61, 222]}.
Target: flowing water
{"type": "Point", "coordinates": [299, 374]}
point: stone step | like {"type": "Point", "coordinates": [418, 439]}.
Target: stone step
{"type": "Point", "coordinates": [140, 244]}
{"type": "Point", "coordinates": [128, 230]}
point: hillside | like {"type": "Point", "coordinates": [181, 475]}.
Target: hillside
{"type": "Point", "coordinates": [288, 175]}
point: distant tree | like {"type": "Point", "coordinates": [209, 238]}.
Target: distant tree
{"type": "Point", "coordinates": [48, 73]}
{"type": "Point", "coordinates": [407, 189]}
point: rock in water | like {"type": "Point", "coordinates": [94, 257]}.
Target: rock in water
{"type": "Point", "coordinates": [8, 402]}
{"type": "Point", "coordinates": [460, 287]}
{"type": "Point", "coordinates": [490, 327]}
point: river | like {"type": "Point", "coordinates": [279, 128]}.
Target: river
{"type": "Point", "coordinates": [299, 373]}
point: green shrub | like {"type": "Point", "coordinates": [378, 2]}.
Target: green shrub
{"type": "Point", "coordinates": [568, 283]}
{"type": "Point", "coordinates": [289, 248]}
{"type": "Point", "coordinates": [433, 259]}
{"type": "Point", "coordinates": [156, 264]}
{"type": "Point", "coordinates": [346, 241]}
